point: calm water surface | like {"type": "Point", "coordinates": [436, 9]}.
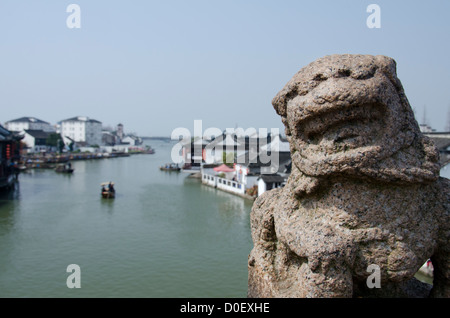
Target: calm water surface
{"type": "Point", "coordinates": [164, 235]}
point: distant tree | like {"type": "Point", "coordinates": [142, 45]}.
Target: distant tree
{"type": "Point", "coordinates": [55, 140]}
{"type": "Point", "coordinates": [52, 140]}
{"type": "Point", "coordinates": [61, 145]}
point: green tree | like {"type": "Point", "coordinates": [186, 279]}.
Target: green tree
{"type": "Point", "coordinates": [55, 140]}
{"type": "Point", "coordinates": [52, 140]}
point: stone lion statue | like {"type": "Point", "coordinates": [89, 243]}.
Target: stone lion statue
{"type": "Point", "coordinates": [364, 190]}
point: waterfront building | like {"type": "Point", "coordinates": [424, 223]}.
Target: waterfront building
{"type": "Point", "coordinates": [108, 138]}
{"type": "Point", "coordinates": [120, 138]}
{"type": "Point", "coordinates": [225, 148]}
{"type": "Point", "coordinates": [192, 154]}
{"type": "Point", "coordinates": [81, 130]}
{"type": "Point", "coordinates": [131, 140]}
{"type": "Point", "coordinates": [36, 140]}
{"type": "Point", "coordinates": [220, 178]}
{"type": "Point", "coordinates": [9, 154]}
{"type": "Point", "coordinates": [211, 150]}
{"type": "Point", "coordinates": [270, 181]}
{"type": "Point", "coordinates": [28, 123]}
{"type": "Point", "coordinates": [252, 174]}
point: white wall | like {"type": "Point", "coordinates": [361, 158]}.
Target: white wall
{"type": "Point", "coordinates": [17, 126]}
{"type": "Point", "coordinates": [223, 184]}
{"type": "Point", "coordinates": [230, 185]}
{"type": "Point", "coordinates": [29, 140]}
{"type": "Point", "coordinates": [21, 126]}
{"type": "Point", "coordinates": [261, 187]}
{"type": "Point", "coordinates": [82, 131]}
{"type": "Point", "coordinates": [251, 181]}
{"type": "Point", "coordinates": [74, 130]}
{"type": "Point", "coordinates": [93, 133]}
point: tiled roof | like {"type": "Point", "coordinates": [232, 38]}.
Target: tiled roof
{"type": "Point", "coordinates": [82, 118]}
{"type": "Point", "coordinates": [27, 120]}
{"type": "Point", "coordinates": [37, 133]}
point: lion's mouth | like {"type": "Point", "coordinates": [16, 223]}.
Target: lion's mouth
{"type": "Point", "coordinates": [352, 127]}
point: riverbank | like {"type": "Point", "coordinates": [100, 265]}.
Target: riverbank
{"type": "Point", "coordinates": [49, 161]}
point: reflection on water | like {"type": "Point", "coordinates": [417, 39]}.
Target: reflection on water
{"type": "Point", "coordinates": [230, 206]}
{"type": "Point", "coordinates": [164, 235]}
{"type": "Point", "coordinates": [13, 194]}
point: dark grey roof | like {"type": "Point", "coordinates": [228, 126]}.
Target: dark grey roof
{"type": "Point", "coordinates": [4, 133]}
{"type": "Point", "coordinates": [252, 159]}
{"type": "Point", "coordinates": [81, 143]}
{"type": "Point", "coordinates": [38, 133]}
{"type": "Point", "coordinates": [272, 178]}
{"type": "Point", "coordinates": [27, 120]}
{"type": "Point", "coordinates": [77, 118]}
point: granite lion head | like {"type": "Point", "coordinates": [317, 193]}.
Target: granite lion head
{"type": "Point", "coordinates": [348, 114]}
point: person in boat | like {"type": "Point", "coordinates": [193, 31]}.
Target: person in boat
{"type": "Point", "coordinates": [111, 187]}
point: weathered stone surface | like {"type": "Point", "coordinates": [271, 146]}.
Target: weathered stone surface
{"type": "Point", "coordinates": [364, 189]}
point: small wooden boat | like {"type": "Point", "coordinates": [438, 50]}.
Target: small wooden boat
{"type": "Point", "coordinates": [148, 150]}
{"type": "Point", "coordinates": [170, 167]}
{"type": "Point", "coordinates": [64, 168]}
{"type": "Point", "coordinates": [108, 191]}
{"type": "Point", "coordinates": [108, 195]}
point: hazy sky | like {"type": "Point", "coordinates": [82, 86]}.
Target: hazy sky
{"type": "Point", "coordinates": [157, 65]}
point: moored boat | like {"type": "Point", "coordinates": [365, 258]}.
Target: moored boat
{"type": "Point", "coordinates": [64, 168]}
{"type": "Point", "coordinates": [170, 167]}
{"type": "Point", "coordinates": [149, 151]}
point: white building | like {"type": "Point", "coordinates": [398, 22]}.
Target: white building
{"type": "Point", "coordinates": [28, 123]}
{"type": "Point", "coordinates": [36, 140]}
{"type": "Point", "coordinates": [268, 182]}
{"type": "Point", "coordinates": [82, 130]}
{"type": "Point", "coordinates": [131, 140]}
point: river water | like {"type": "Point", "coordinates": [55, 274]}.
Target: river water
{"type": "Point", "coordinates": [164, 235]}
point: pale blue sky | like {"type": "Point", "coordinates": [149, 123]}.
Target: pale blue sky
{"type": "Point", "coordinates": [158, 65]}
